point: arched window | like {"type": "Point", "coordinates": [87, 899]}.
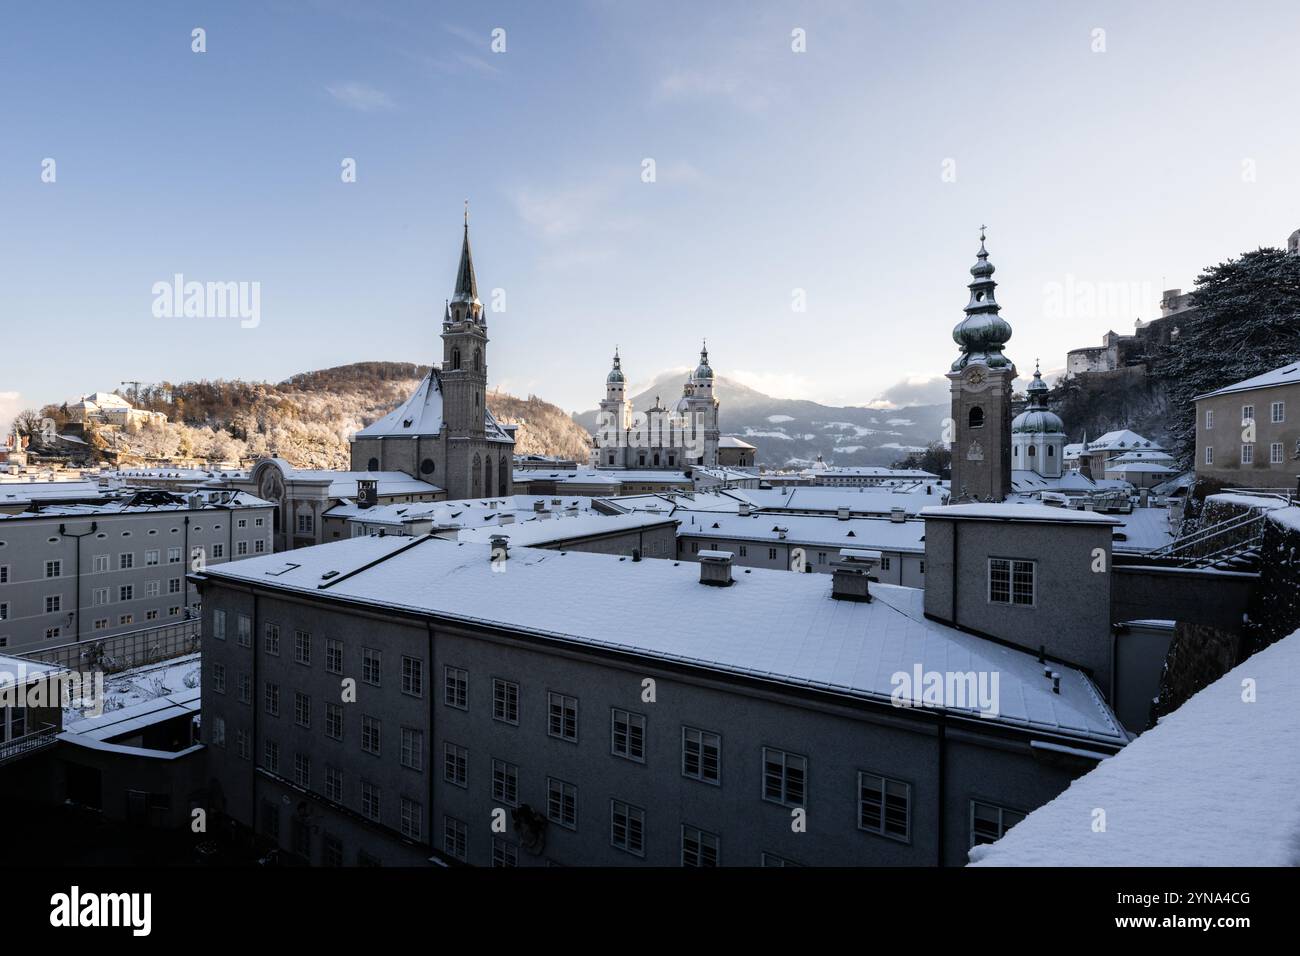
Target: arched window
{"type": "Point", "coordinates": [475, 476]}
{"type": "Point", "coordinates": [478, 360]}
{"type": "Point", "coordinates": [455, 358]}
{"type": "Point", "coordinates": [372, 464]}
{"type": "Point", "coordinates": [487, 476]}
{"type": "Point", "coordinates": [976, 418]}
{"type": "Point", "coordinates": [427, 466]}
{"type": "Point", "coordinates": [503, 478]}
{"type": "Point", "coordinates": [656, 459]}
{"type": "Point", "coordinates": [1032, 450]}
{"type": "Point", "coordinates": [1051, 452]}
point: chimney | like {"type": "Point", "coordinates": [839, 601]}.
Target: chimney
{"type": "Point", "coordinates": [849, 580]}
{"type": "Point", "coordinates": [898, 514]}
{"type": "Point", "coordinates": [539, 506]}
{"type": "Point", "coordinates": [744, 509]}
{"type": "Point", "coordinates": [842, 512]}
{"type": "Point", "coordinates": [715, 568]}
{"type": "Point", "coordinates": [500, 550]}
{"type": "Point", "coordinates": [507, 518]}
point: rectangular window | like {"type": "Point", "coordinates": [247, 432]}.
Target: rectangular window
{"type": "Point", "coordinates": [412, 818]}
{"type": "Point", "coordinates": [563, 717]}
{"type": "Point", "coordinates": [4, 611]}
{"type": "Point", "coordinates": [271, 698]}
{"type": "Point", "coordinates": [302, 647]}
{"type": "Point", "coordinates": [699, 847]}
{"type": "Point", "coordinates": [333, 656]}
{"type": "Point", "coordinates": [771, 554]}
{"type": "Point", "coordinates": [259, 546]}
{"type": "Point", "coordinates": [627, 735]}
{"type": "Point", "coordinates": [627, 827]}
{"type": "Point", "coordinates": [988, 822]}
{"type": "Point", "coordinates": [243, 747]}
{"type": "Point", "coordinates": [1011, 582]}
{"type": "Point", "coordinates": [218, 550]}
{"type": "Point", "coordinates": [884, 806]}
{"type": "Point", "coordinates": [1247, 414]}
{"type": "Point", "coordinates": [123, 620]}
{"type": "Point", "coordinates": [455, 688]}
{"type": "Point", "coordinates": [884, 564]}
{"type": "Point", "coordinates": [99, 564]}
{"type": "Point", "coordinates": [1209, 419]}
{"type": "Point", "coordinates": [305, 524]}
{"type": "Point", "coordinates": [412, 676]}
{"type": "Point", "coordinates": [504, 853]}
{"type": "Point", "coordinates": [125, 561]}
{"type": "Point", "coordinates": [505, 701]}
{"type": "Point", "coordinates": [455, 765]}
{"type": "Point", "coordinates": [301, 709]}
{"type": "Point", "coordinates": [245, 685]}
{"type": "Point", "coordinates": [241, 548]}
{"type": "Point", "coordinates": [126, 592]}
{"type": "Point", "coordinates": [219, 678]}
{"type": "Point", "coordinates": [271, 639]}
{"type": "Point", "coordinates": [455, 838]}
{"type": "Point", "coordinates": [370, 734]}
{"type": "Point", "coordinates": [151, 558]}
{"type": "Point", "coordinates": [412, 748]}
{"type": "Point", "coordinates": [562, 803]}
{"type": "Point", "coordinates": [1247, 454]}
{"type": "Point", "coordinates": [505, 782]}
{"type": "Point", "coordinates": [370, 799]}
{"type": "Point", "coordinates": [219, 625]}
{"type": "Point", "coordinates": [1209, 454]}
{"type": "Point", "coordinates": [785, 777]}
{"type": "Point", "coordinates": [371, 660]}
{"type": "Point", "coordinates": [334, 784]}
{"type": "Point", "coordinates": [334, 721]}
{"type": "Point", "coordinates": [219, 732]}
{"type": "Point", "coordinates": [152, 588]}
{"type": "Point", "coordinates": [174, 586]}
{"type": "Point", "coordinates": [173, 555]}
{"type": "Point", "coordinates": [245, 628]}
{"type": "Point", "coordinates": [271, 756]}
{"type": "Point", "coordinates": [54, 602]}
{"type": "Point", "coordinates": [701, 755]}
{"type": "Point", "coordinates": [1277, 412]}
{"type": "Point", "coordinates": [241, 523]}
{"type": "Point", "coordinates": [302, 770]}
{"type": "Point", "coordinates": [99, 596]}
{"type": "Point", "coordinates": [1275, 453]}
{"type": "Point", "coordinates": [331, 850]}
{"type": "Point", "coordinates": [53, 569]}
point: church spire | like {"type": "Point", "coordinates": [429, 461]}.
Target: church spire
{"type": "Point", "coordinates": [466, 283]}
{"type": "Point", "coordinates": [983, 332]}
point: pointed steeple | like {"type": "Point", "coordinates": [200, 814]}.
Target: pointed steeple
{"type": "Point", "coordinates": [616, 373]}
{"type": "Point", "coordinates": [703, 373]}
{"type": "Point", "coordinates": [466, 283]}
{"type": "Point", "coordinates": [983, 332]}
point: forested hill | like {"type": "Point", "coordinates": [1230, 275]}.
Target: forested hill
{"type": "Point", "coordinates": [307, 418]}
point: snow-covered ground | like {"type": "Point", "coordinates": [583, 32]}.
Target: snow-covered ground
{"type": "Point", "coordinates": [1216, 783]}
{"type": "Point", "coordinates": [140, 684]}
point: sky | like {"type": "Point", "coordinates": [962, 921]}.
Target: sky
{"type": "Point", "coordinates": [812, 212]}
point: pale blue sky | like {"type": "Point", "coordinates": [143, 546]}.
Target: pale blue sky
{"type": "Point", "coordinates": [1120, 172]}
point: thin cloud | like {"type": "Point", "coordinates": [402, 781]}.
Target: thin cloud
{"type": "Point", "coordinates": [360, 97]}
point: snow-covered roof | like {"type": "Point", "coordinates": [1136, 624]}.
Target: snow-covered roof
{"type": "Point", "coordinates": [1140, 468]}
{"type": "Point", "coordinates": [601, 476]}
{"type": "Point", "coordinates": [1143, 529]}
{"type": "Point", "coordinates": [819, 531]}
{"type": "Point", "coordinates": [19, 670]}
{"type": "Point", "coordinates": [536, 533]}
{"type": "Point", "coordinates": [459, 512]}
{"type": "Point", "coordinates": [133, 718]}
{"type": "Point", "coordinates": [872, 471]}
{"type": "Point", "coordinates": [22, 492]}
{"type": "Point", "coordinates": [861, 500]}
{"type": "Point", "coordinates": [1121, 438]}
{"type": "Point", "coordinates": [731, 441]}
{"type": "Point", "coordinates": [1286, 375]}
{"type": "Point", "coordinates": [343, 484]}
{"type": "Point", "coordinates": [122, 506]}
{"type": "Point", "coordinates": [1018, 511]}
{"type": "Point", "coordinates": [769, 626]}
{"type": "Point", "coordinates": [1213, 784]}
{"type": "Point", "coordinates": [421, 414]}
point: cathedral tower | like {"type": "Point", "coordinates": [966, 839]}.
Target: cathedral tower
{"type": "Point", "coordinates": [981, 380]}
{"type": "Point", "coordinates": [464, 352]}
{"type": "Point", "coordinates": [1037, 434]}
{"type": "Point", "coordinates": [701, 409]}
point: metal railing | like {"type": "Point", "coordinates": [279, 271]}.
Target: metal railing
{"type": "Point", "coordinates": [118, 652]}
{"type": "Point", "coordinates": [1233, 537]}
{"type": "Point", "coordinates": [28, 743]}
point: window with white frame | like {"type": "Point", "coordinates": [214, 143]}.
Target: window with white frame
{"type": "Point", "coordinates": [174, 586]}
{"type": "Point", "coordinates": [53, 569]}
{"type": "Point", "coordinates": [785, 777]}
{"type": "Point", "coordinates": [271, 698]}
{"type": "Point", "coordinates": [334, 784]}
{"type": "Point", "coordinates": [1011, 581]}
{"type": "Point", "coordinates": [333, 656]}
{"type": "Point", "coordinates": [412, 676]}
{"type": "Point", "coordinates": [173, 555]}
{"type": "Point", "coordinates": [505, 701]}
{"type": "Point", "coordinates": [244, 686]}
{"type": "Point", "coordinates": [99, 596]}
{"type": "Point", "coordinates": [412, 818]}
{"type": "Point", "coordinates": [1247, 454]}
{"type": "Point", "coordinates": [54, 603]}
{"type": "Point", "coordinates": [302, 770]}
{"type": "Point", "coordinates": [701, 755]}
{"type": "Point", "coordinates": [244, 626]}
{"type": "Point", "coordinates": [1247, 414]}
{"type": "Point", "coordinates": [241, 548]}
{"type": "Point", "coordinates": [505, 782]}
{"type": "Point", "coordinates": [1209, 419]}
{"type": "Point", "coordinates": [271, 756]}
{"type": "Point", "coordinates": [334, 721]}
{"type": "Point", "coordinates": [455, 687]}
{"type": "Point", "coordinates": [772, 860]}
{"type": "Point", "coordinates": [271, 639]}
{"type": "Point", "coordinates": [627, 827]}
{"type": "Point", "coordinates": [99, 564]}
{"type": "Point", "coordinates": [151, 558]}
{"type": "Point", "coordinates": [305, 523]}
{"type": "Point", "coordinates": [370, 796]}
{"type": "Point", "coordinates": [1209, 454]}
{"type": "Point", "coordinates": [302, 647]}
{"type": "Point", "coordinates": [371, 661]}
{"type": "Point", "coordinates": [455, 764]}
{"type": "Point", "coordinates": [455, 838]}
{"type": "Point", "coordinates": [219, 678]}
{"type": "Point", "coordinates": [370, 734]}
{"type": "Point", "coordinates": [699, 847]}
{"type": "Point", "coordinates": [1277, 412]}
{"type": "Point", "coordinates": [412, 754]}
{"type": "Point", "coordinates": [989, 822]}
{"type": "Point", "coordinates": [301, 709]}
{"type": "Point", "coordinates": [562, 803]}
{"type": "Point", "coordinates": [562, 717]}
{"type": "Point", "coordinates": [884, 806]}
{"type": "Point", "coordinates": [126, 592]}
{"type": "Point", "coordinates": [152, 588]}
{"type": "Point", "coordinates": [125, 561]}
{"type": "Point", "coordinates": [218, 550]}
{"type": "Point", "coordinates": [1275, 453]}
{"type": "Point", "coordinates": [504, 853]}
{"type": "Point", "coordinates": [627, 734]}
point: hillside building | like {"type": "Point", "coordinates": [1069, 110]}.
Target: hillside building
{"type": "Point", "coordinates": [1248, 433]}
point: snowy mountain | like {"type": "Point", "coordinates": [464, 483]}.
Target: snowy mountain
{"type": "Point", "coordinates": [793, 431]}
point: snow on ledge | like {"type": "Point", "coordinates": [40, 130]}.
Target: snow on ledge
{"type": "Point", "coordinates": [1216, 783]}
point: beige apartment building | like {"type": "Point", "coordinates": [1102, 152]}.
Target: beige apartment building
{"type": "Point", "coordinates": [1248, 433]}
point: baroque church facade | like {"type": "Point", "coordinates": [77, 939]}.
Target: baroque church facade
{"type": "Point", "coordinates": [444, 433]}
{"type": "Point", "coordinates": [658, 438]}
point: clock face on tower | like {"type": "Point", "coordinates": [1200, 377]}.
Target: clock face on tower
{"type": "Point", "coordinates": [976, 376]}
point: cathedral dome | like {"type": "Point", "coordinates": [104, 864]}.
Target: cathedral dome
{"type": "Point", "coordinates": [1038, 421]}
{"type": "Point", "coordinates": [702, 371]}
{"type": "Point", "coordinates": [615, 376]}
{"type": "Point", "coordinates": [983, 333]}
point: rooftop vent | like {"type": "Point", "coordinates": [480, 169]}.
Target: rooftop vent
{"type": "Point", "coordinates": [850, 580]}
{"type": "Point", "coordinates": [842, 512]}
{"type": "Point", "coordinates": [744, 509]}
{"type": "Point", "coordinates": [898, 514]}
{"type": "Point", "coordinates": [715, 568]}
{"type": "Point", "coordinates": [500, 550]}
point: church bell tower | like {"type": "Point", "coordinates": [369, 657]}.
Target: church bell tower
{"type": "Point", "coordinates": [464, 351]}
{"type": "Point", "coordinates": [981, 380]}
